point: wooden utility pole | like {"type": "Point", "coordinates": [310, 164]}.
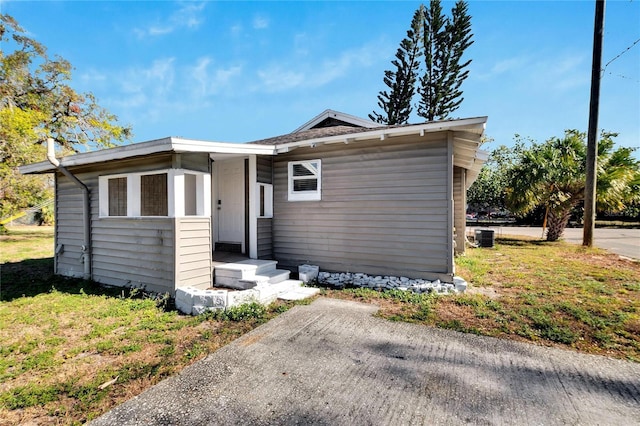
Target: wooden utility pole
{"type": "Point", "coordinates": [592, 135]}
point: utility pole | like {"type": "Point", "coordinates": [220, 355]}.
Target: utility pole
{"type": "Point", "coordinates": [592, 135]}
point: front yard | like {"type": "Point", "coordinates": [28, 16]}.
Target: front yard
{"type": "Point", "coordinates": [70, 350]}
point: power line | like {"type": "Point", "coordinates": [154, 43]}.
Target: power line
{"type": "Point", "coordinates": [623, 76]}
{"type": "Point", "coordinates": [621, 53]}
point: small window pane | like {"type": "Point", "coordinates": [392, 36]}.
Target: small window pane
{"type": "Point", "coordinates": [153, 195]}
{"type": "Point", "coordinates": [305, 185]}
{"type": "Point", "coordinates": [118, 196]}
{"type": "Point", "coordinates": [303, 170]}
{"type": "Point", "coordinates": [190, 189]}
{"type": "Point", "coordinates": [262, 201]}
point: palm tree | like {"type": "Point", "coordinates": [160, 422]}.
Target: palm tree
{"type": "Point", "coordinates": [552, 175]}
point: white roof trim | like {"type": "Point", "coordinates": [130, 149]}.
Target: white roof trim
{"type": "Point", "coordinates": [171, 144]}
{"type": "Point", "coordinates": [329, 113]}
{"type": "Point", "coordinates": [468, 125]}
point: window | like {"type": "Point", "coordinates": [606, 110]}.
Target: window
{"type": "Point", "coordinates": [265, 200]}
{"type": "Point", "coordinates": [190, 195]}
{"type": "Point", "coordinates": [304, 180]}
{"type": "Point", "coordinates": [161, 193]}
{"type": "Point", "coordinates": [153, 195]}
{"type": "Point", "coordinates": [118, 196]}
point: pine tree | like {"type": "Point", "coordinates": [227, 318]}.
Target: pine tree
{"type": "Point", "coordinates": [434, 44]}
{"type": "Point", "coordinates": [396, 104]}
{"type": "Point", "coordinates": [444, 42]}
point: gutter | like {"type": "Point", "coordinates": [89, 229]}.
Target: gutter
{"type": "Point", "coordinates": [86, 212]}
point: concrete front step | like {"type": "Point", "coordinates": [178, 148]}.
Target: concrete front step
{"type": "Point", "coordinates": [268, 293]}
{"type": "Point", "coordinates": [299, 293]}
{"type": "Point", "coordinates": [271, 277]}
{"type": "Point", "coordinates": [242, 275]}
{"type": "Point", "coordinates": [245, 269]}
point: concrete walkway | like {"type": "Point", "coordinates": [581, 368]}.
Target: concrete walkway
{"type": "Point", "coordinates": [624, 242]}
{"type": "Point", "coordinates": [333, 363]}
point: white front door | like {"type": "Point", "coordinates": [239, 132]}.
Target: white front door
{"type": "Point", "coordinates": [230, 202]}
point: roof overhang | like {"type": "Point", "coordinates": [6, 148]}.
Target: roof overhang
{"type": "Point", "coordinates": [166, 145]}
{"type": "Point", "coordinates": [466, 133]}
{"type": "Point", "coordinates": [467, 138]}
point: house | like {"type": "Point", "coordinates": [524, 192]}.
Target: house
{"type": "Point", "coordinates": [339, 192]}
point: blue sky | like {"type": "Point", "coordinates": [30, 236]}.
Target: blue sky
{"type": "Point", "coordinates": [241, 71]}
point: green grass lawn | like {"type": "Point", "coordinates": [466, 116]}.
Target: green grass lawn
{"type": "Point", "coordinates": [70, 349]}
{"type": "Point", "coordinates": [547, 293]}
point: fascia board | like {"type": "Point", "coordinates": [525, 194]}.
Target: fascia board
{"type": "Point", "coordinates": [187, 145]}
{"type": "Point", "coordinates": [470, 125]}
{"type": "Point", "coordinates": [117, 153]}
{"type": "Point", "coordinates": [147, 148]}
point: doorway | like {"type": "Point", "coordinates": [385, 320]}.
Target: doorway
{"type": "Point", "coordinates": [230, 205]}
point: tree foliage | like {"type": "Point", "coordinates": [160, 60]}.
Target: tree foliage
{"type": "Point", "coordinates": [487, 192]}
{"type": "Point", "coordinates": [445, 41]}
{"type": "Point", "coordinates": [36, 102]}
{"type": "Point", "coordinates": [396, 104]}
{"type": "Point", "coordinates": [552, 175]}
{"type": "Point", "coordinates": [442, 42]}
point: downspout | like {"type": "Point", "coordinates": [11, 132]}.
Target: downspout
{"type": "Point", "coordinates": [86, 212]}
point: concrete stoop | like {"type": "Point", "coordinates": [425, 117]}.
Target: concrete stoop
{"type": "Point", "coordinates": [251, 280]}
{"type": "Point", "coordinates": [249, 274]}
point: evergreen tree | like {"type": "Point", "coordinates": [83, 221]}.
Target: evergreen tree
{"type": "Point", "coordinates": [434, 44]}
{"type": "Point", "coordinates": [444, 42]}
{"type": "Point", "coordinates": [396, 104]}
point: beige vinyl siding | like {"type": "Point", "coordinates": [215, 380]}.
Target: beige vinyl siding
{"type": "Point", "coordinates": [264, 166]}
{"type": "Point", "coordinates": [126, 251]}
{"type": "Point", "coordinates": [193, 252]}
{"type": "Point", "coordinates": [196, 161]}
{"type": "Point", "coordinates": [265, 239]}
{"type": "Point", "coordinates": [264, 174]}
{"type": "Point", "coordinates": [459, 208]}
{"type": "Point", "coordinates": [134, 252]}
{"type": "Point", "coordinates": [383, 209]}
{"type": "Point", "coordinates": [69, 228]}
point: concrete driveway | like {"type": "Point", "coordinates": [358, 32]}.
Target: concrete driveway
{"type": "Point", "coordinates": [625, 242]}
{"type": "Point", "coordinates": [334, 363]}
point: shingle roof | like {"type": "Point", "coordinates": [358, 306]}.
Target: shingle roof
{"type": "Point", "coordinates": [313, 134]}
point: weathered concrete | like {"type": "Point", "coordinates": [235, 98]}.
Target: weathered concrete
{"type": "Point", "coordinates": [333, 363]}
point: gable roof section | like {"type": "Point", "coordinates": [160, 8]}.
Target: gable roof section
{"type": "Point", "coordinates": [331, 118]}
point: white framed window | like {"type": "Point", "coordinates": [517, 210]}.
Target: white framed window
{"type": "Point", "coordinates": [160, 193]}
{"type": "Point", "coordinates": [264, 198]}
{"type": "Point", "coordinates": [305, 180]}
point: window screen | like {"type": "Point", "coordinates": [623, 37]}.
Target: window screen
{"type": "Point", "coordinates": [118, 196]}
{"type": "Point", "coordinates": [153, 195]}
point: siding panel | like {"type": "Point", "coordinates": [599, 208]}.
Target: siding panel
{"type": "Point", "coordinates": [141, 249]}
{"type": "Point", "coordinates": [383, 209]}
{"type": "Point", "coordinates": [130, 251]}
{"type": "Point", "coordinates": [193, 255]}
{"type": "Point", "coordinates": [264, 169]}
{"type": "Point", "coordinates": [265, 239]}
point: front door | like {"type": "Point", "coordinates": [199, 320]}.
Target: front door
{"type": "Point", "coordinates": [230, 203]}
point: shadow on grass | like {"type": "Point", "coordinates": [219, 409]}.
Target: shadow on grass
{"type": "Point", "coordinates": [523, 242]}
{"type": "Point", "coordinates": [35, 276]}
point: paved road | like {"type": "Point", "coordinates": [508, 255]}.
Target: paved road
{"type": "Point", "coordinates": [625, 242]}
{"type": "Point", "coordinates": [333, 363]}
